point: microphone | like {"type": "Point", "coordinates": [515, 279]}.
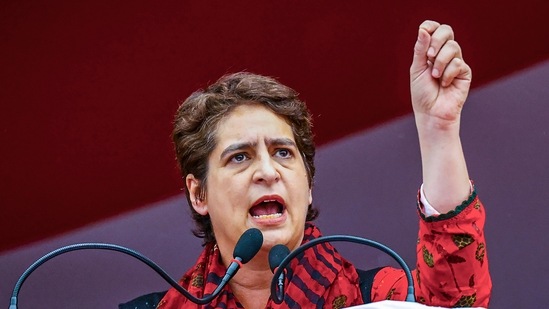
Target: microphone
{"type": "Point", "coordinates": [246, 248]}
{"type": "Point", "coordinates": [276, 256]}
{"type": "Point", "coordinates": [278, 297]}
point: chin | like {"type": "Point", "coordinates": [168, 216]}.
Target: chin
{"type": "Point", "coordinates": [273, 237]}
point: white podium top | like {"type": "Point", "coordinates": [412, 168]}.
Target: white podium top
{"type": "Point", "coordinates": [391, 304]}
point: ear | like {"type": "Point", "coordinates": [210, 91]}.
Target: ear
{"type": "Point", "coordinates": [194, 186]}
{"type": "Point", "coordinates": [310, 196]}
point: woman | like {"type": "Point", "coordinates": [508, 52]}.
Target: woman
{"type": "Point", "coordinates": [245, 148]}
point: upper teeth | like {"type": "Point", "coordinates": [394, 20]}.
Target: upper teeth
{"type": "Point", "coordinates": [271, 216]}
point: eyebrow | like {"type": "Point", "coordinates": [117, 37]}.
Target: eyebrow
{"type": "Point", "coordinates": [282, 141]}
{"type": "Point", "coordinates": [235, 147]}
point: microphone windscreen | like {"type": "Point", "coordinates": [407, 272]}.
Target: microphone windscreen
{"type": "Point", "coordinates": [276, 255]}
{"type": "Point", "coordinates": [248, 245]}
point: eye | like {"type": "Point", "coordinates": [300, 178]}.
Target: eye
{"type": "Point", "coordinates": [239, 157]}
{"type": "Point", "coordinates": [283, 153]}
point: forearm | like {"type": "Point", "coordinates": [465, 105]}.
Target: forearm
{"type": "Point", "coordinates": [445, 176]}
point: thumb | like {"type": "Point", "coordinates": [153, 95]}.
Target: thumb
{"type": "Point", "coordinates": [420, 60]}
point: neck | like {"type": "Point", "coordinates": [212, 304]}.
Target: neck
{"type": "Point", "coordinates": [252, 284]}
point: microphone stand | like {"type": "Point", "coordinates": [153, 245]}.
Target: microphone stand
{"type": "Point", "coordinates": [246, 248]}
{"type": "Point", "coordinates": [278, 298]}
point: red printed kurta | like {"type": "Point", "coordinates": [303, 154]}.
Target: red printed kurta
{"type": "Point", "coordinates": [452, 265]}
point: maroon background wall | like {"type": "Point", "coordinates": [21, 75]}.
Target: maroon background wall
{"type": "Point", "coordinates": [88, 89]}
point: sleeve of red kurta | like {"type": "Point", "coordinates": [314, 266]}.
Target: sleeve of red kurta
{"type": "Point", "coordinates": [452, 265]}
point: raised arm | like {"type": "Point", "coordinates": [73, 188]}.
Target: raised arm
{"type": "Point", "coordinates": [439, 82]}
{"type": "Point", "coordinates": [452, 264]}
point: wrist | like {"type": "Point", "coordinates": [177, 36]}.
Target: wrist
{"type": "Point", "coordinates": [433, 130]}
{"type": "Point", "coordinates": [428, 123]}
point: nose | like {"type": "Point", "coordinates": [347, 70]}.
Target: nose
{"type": "Point", "coordinates": [265, 170]}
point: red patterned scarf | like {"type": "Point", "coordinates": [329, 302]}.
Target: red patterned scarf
{"type": "Point", "coordinates": [319, 278]}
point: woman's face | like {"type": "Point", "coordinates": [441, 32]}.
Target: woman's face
{"type": "Point", "coordinates": [256, 178]}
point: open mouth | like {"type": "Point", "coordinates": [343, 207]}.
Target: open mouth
{"type": "Point", "coordinates": [268, 209]}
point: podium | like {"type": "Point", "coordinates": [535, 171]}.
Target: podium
{"type": "Point", "coordinates": [391, 304]}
